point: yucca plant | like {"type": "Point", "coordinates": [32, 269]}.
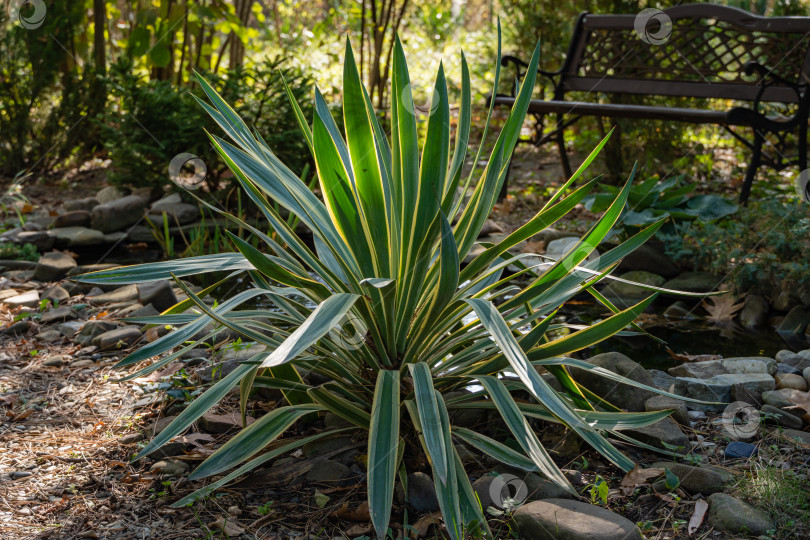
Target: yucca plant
{"type": "Point", "coordinates": [389, 236]}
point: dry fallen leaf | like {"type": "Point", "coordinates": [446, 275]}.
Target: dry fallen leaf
{"type": "Point", "coordinates": [638, 477]}
{"type": "Point", "coordinates": [697, 516]}
{"type": "Point", "coordinates": [722, 309]}
{"type": "Point", "coordinates": [358, 514]}
{"type": "Point", "coordinates": [422, 526]}
{"type": "Point", "coordinates": [227, 526]}
{"type": "Point", "coordinates": [358, 530]}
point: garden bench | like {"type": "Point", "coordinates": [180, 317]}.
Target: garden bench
{"type": "Point", "coordinates": [759, 65]}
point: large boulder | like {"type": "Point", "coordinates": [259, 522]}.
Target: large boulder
{"type": "Point", "coordinates": [53, 266]}
{"type": "Point", "coordinates": [157, 293]}
{"type": "Point", "coordinates": [74, 237]}
{"type": "Point", "coordinates": [694, 479]}
{"type": "Point", "coordinates": [622, 395]}
{"type": "Point", "coordinates": [650, 259]}
{"type": "Point", "coordinates": [666, 431]}
{"type": "Point", "coordinates": [710, 368]}
{"type": "Point", "coordinates": [118, 214]}
{"type": "Point", "coordinates": [76, 218]}
{"type": "Point", "coordinates": [564, 519]}
{"type": "Point", "coordinates": [627, 294]}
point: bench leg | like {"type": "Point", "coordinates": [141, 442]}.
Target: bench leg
{"type": "Point", "coordinates": [561, 146]}
{"type": "Point", "coordinates": [753, 165]}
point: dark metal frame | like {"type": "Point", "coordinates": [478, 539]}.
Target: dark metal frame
{"type": "Point", "coordinates": [770, 84]}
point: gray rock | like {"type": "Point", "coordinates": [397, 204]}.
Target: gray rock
{"type": "Point", "coordinates": [694, 479]}
{"type": "Point", "coordinates": [8, 293]}
{"type": "Point", "coordinates": [61, 314]}
{"type": "Point", "coordinates": [28, 299]}
{"type": "Point", "coordinates": [678, 310]}
{"type": "Point", "coordinates": [109, 194]}
{"type": "Point", "coordinates": [787, 368]}
{"type": "Point", "coordinates": [115, 237]}
{"type": "Point", "coordinates": [87, 268]}
{"type": "Point", "coordinates": [537, 487]}
{"type": "Point", "coordinates": [783, 418]}
{"type": "Point", "coordinates": [222, 423]}
{"type": "Point", "coordinates": [785, 300]}
{"type": "Point", "coordinates": [559, 247]}
{"type": "Point", "coordinates": [169, 467]}
{"type": "Point", "coordinates": [790, 380]}
{"type": "Point", "coordinates": [324, 446]}
{"type": "Point", "coordinates": [131, 438]}
{"type": "Point", "coordinates": [718, 388]}
{"type": "Point", "coordinates": [806, 375]}
{"type": "Point", "coordinates": [75, 237]}
{"type": "Point", "coordinates": [56, 361]}
{"type": "Point", "coordinates": [157, 293]}
{"type": "Point", "coordinates": [118, 338]}
{"type": "Point", "coordinates": [48, 335]}
{"type": "Point", "coordinates": [698, 370]}
{"type": "Point", "coordinates": [160, 424]}
{"type": "Point", "coordinates": [53, 266]}
{"type": "Point", "coordinates": [56, 294]}
{"type": "Point", "coordinates": [563, 519]}
{"type": "Point", "coordinates": [328, 472]}
{"type": "Point", "coordinates": [422, 493]}
{"type": "Point", "coordinates": [17, 328]}
{"type": "Point", "coordinates": [662, 379]}
{"type": "Point", "coordinates": [76, 218]}
{"type": "Point", "coordinates": [118, 214]}
{"type": "Point", "coordinates": [166, 203]}
{"type": "Point", "coordinates": [650, 259]}
{"type": "Point", "coordinates": [622, 395]}
{"type": "Point", "coordinates": [734, 516]}
{"type": "Point", "coordinates": [121, 294]}
{"type": "Point", "coordinates": [41, 240]}
{"type": "Point", "coordinates": [630, 293]}
{"type": "Point", "coordinates": [755, 312]}
{"type": "Point", "coordinates": [801, 436]}
{"type": "Point", "coordinates": [783, 398]}
{"type": "Point", "coordinates": [69, 328]}
{"type": "Point", "coordinates": [85, 204]}
{"type": "Point", "coordinates": [663, 431]}
{"type": "Point", "coordinates": [181, 213]}
{"type": "Point", "coordinates": [142, 311]}
{"type": "Point", "coordinates": [93, 329]}
{"type": "Point", "coordinates": [795, 321]}
{"type": "Point", "coordinates": [693, 282]}
{"type": "Point", "coordinates": [483, 488]}
{"type": "Point", "coordinates": [661, 403]}
{"type": "Point", "coordinates": [549, 234]}
{"type": "Point", "coordinates": [141, 233]}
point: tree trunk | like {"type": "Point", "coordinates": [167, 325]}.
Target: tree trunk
{"type": "Point", "coordinates": [237, 52]}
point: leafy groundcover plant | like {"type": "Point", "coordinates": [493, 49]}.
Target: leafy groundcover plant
{"type": "Point", "coordinates": [389, 234]}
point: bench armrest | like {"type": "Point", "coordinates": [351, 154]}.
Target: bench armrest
{"type": "Point", "coordinates": [520, 69]}
{"type": "Point", "coordinates": [752, 67]}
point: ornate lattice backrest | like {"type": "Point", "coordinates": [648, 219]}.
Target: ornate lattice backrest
{"type": "Point", "coordinates": [702, 56]}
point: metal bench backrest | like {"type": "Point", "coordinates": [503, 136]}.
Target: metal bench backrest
{"type": "Point", "coordinates": [703, 57]}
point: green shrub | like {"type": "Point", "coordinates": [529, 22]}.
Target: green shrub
{"type": "Point", "coordinates": [43, 96]}
{"type": "Point", "coordinates": [150, 122]}
{"type": "Point", "coordinates": [399, 330]}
